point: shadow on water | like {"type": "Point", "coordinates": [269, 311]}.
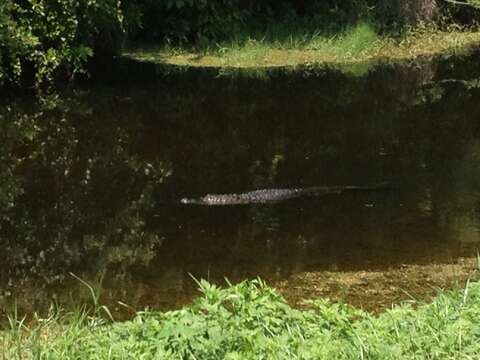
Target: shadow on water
{"type": "Point", "coordinates": [90, 180]}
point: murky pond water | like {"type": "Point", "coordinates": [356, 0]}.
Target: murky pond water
{"type": "Point", "coordinates": [90, 181]}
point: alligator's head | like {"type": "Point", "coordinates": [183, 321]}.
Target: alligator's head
{"type": "Point", "coordinates": [188, 201]}
{"type": "Point", "coordinates": [206, 200]}
{"type": "Point", "coordinates": [214, 200]}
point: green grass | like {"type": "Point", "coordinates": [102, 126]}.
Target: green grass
{"type": "Point", "coordinates": [293, 45]}
{"type": "Point", "coordinates": [252, 321]}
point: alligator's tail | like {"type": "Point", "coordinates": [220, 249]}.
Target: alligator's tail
{"type": "Point", "coordinates": [338, 189]}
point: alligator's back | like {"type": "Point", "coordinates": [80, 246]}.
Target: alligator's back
{"type": "Point", "coordinates": [265, 196]}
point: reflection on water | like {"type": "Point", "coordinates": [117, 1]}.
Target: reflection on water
{"type": "Point", "coordinates": [90, 181]}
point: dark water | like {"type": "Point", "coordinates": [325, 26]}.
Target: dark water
{"type": "Point", "coordinates": [90, 180]}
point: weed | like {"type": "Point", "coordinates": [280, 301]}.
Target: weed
{"type": "Point", "coordinates": [252, 321]}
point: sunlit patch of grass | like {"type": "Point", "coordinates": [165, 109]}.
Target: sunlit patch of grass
{"type": "Point", "coordinates": [279, 47]}
{"type": "Point", "coordinates": [356, 40]}
{"type": "Point", "coordinates": [246, 52]}
{"type": "Point", "coordinates": [252, 321]}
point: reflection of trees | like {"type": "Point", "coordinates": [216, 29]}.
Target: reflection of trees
{"type": "Point", "coordinates": [466, 197]}
{"type": "Point", "coordinates": [249, 125]}
{"type": "Point", "coordinates": [74, 194]}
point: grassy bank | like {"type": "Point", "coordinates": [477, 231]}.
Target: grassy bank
{"type": "Point", "coordinates": [360, 44]}
{"type": "Point", "coordinates": [251, 321]}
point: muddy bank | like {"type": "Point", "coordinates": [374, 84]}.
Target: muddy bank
{"type": "Point", "coordinates": [379, 290]}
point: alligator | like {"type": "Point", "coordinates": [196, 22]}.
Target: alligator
{"type": "Point", "coordinates": [267, 196]}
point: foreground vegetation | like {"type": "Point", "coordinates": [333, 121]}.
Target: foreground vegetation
{"type": "Point", "coordinates": [251, 321]}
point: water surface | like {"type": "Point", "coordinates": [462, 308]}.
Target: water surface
{"type": "Point", "coordinates": [90, 181]}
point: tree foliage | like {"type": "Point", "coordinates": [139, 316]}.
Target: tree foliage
{"type": "Point", "coordinates": [193, 20]}
{"type": "Point", "coordinates": [41, 37]}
